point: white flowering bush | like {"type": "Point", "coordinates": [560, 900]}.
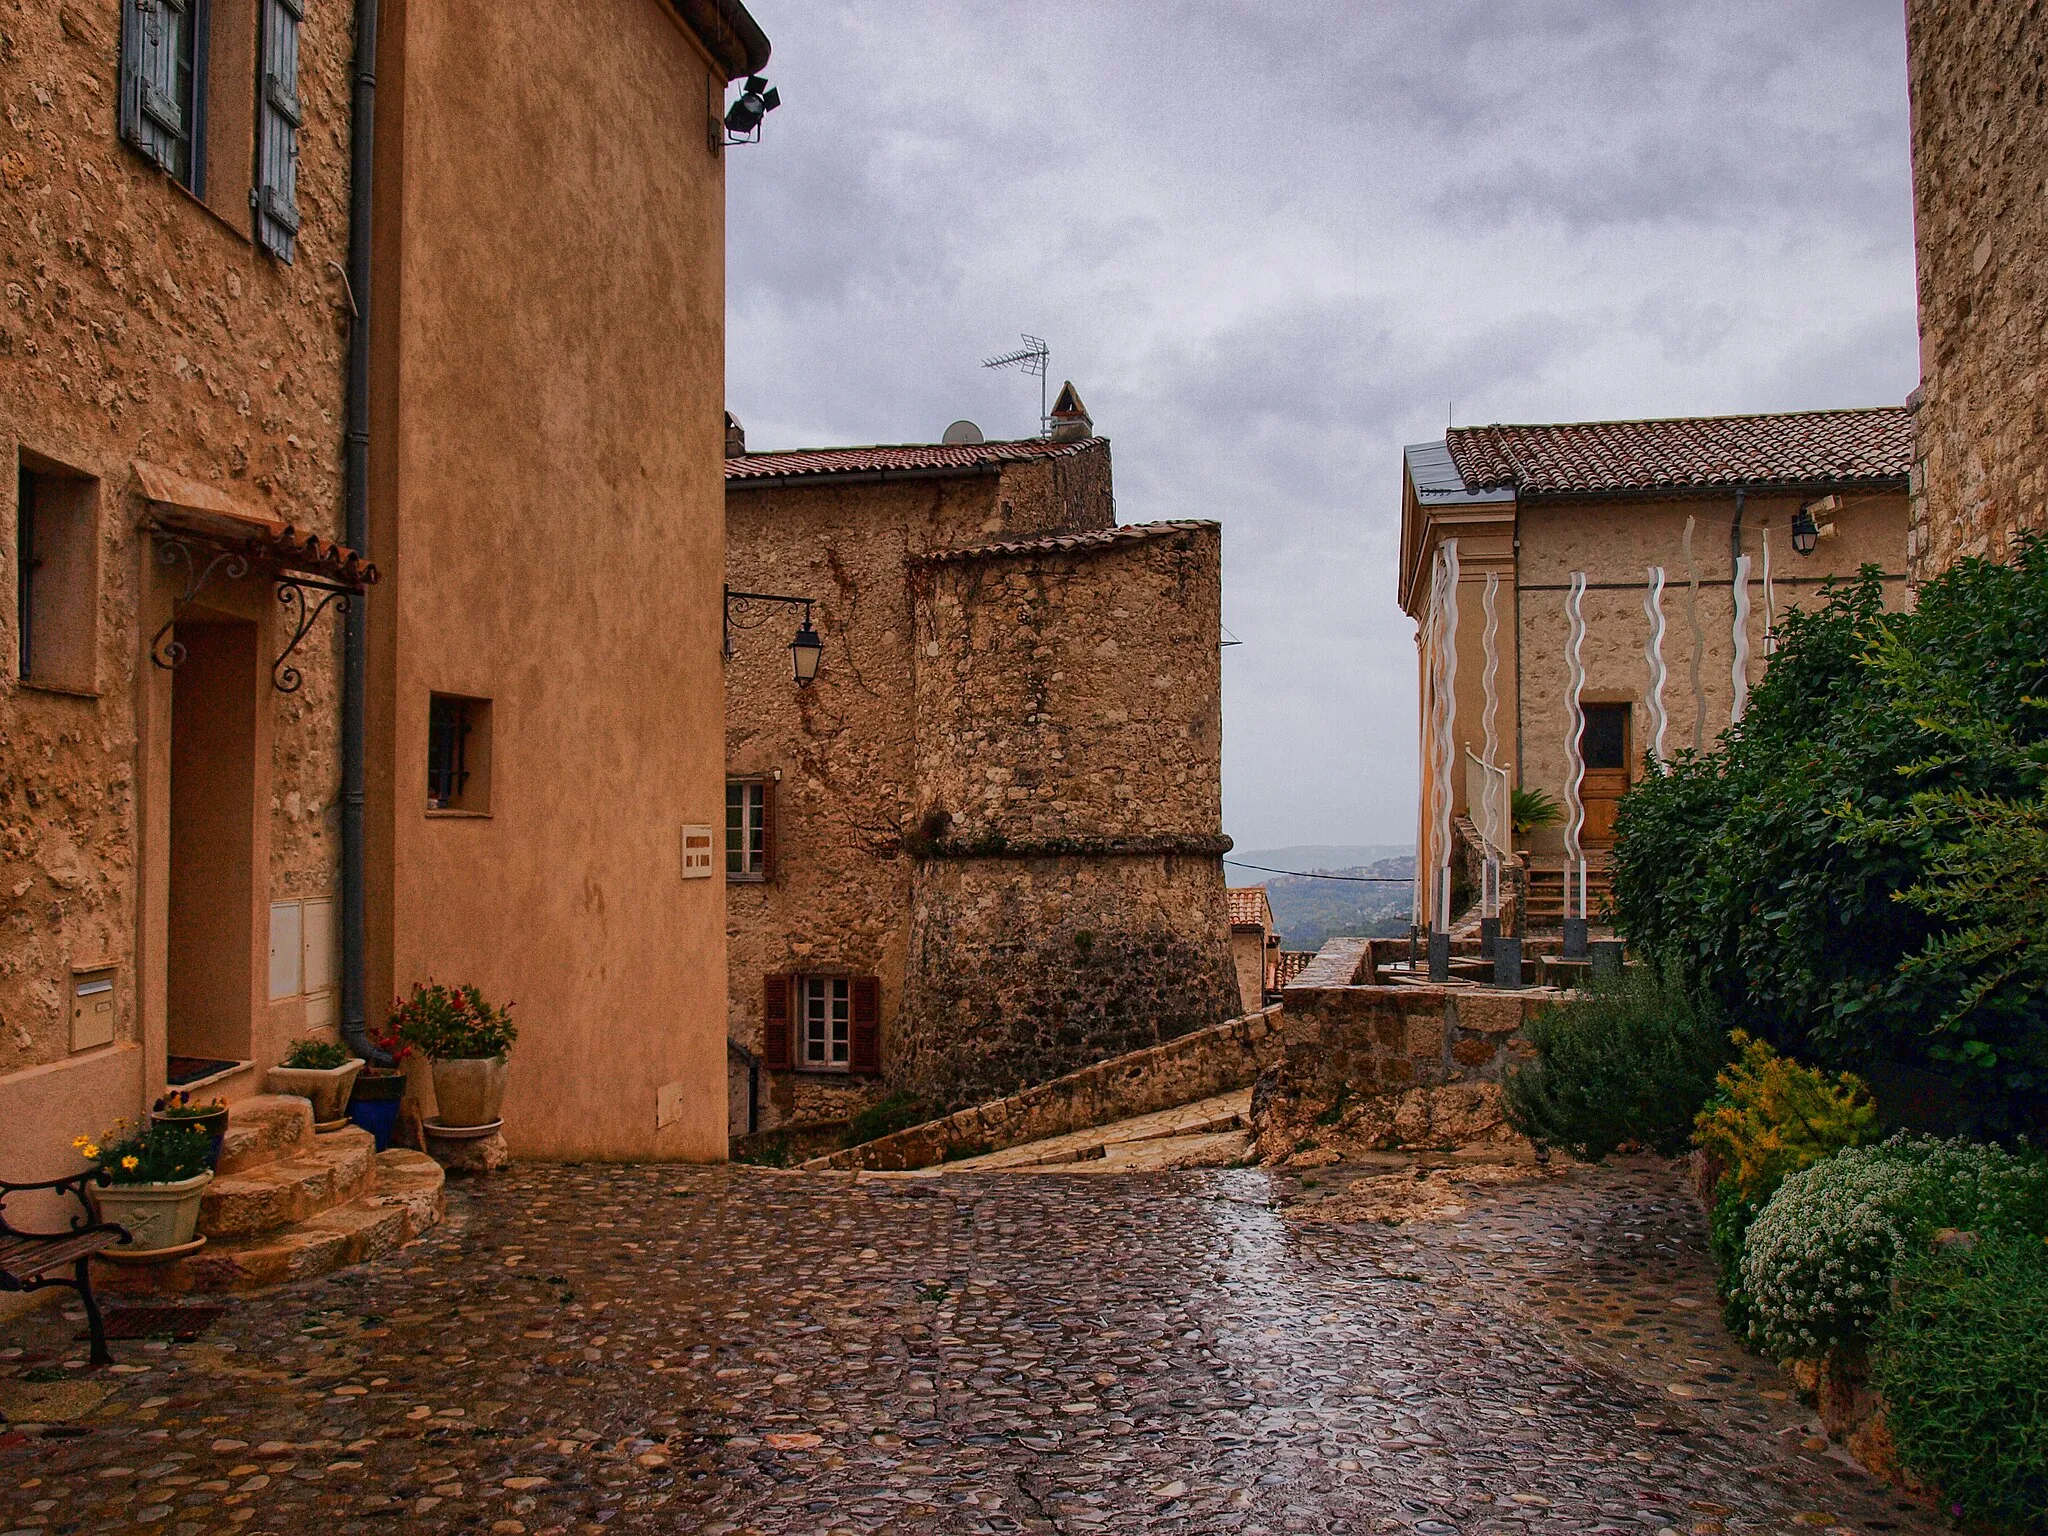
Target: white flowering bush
{"type": "Point", "coordinates": [1817, 1263]}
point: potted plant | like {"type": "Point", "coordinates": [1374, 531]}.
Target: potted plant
{"type": "Point", "coordinates": [378, 1092]}
{"type": "Point", "coordinates": [1529, 810]}
{"type": "Point", "coordinates": [321, 1071]}
{"type": "Point", "coordinates": [150, 1181]}
{"type": "Point", "coordinates": [468, 1041]}
{"type": "Point", "coordinates": [211, 1116]}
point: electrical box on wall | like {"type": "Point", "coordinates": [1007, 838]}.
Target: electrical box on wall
{"type": "Point", "coordinates": [668, 1105]}
{"type": "Point", "coordinates": [700, 852]}
{"type": "Point", "coordinates": [92, 1007]}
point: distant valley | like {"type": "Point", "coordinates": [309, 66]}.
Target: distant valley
{"type": "Point", "coordinates": [1309, 911]}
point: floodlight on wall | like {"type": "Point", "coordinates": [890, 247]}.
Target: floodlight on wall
{"type": "Point", "coordinates": [749, 610]}
{"type": "Point", "coordinates": [743, 118]}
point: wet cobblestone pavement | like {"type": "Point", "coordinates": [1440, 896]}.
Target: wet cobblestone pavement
{"type": "Point", "coordinates": [727, 1350]}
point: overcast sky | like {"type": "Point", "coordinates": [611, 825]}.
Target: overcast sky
{"type": "Point", "coordinates": [1273, 242]}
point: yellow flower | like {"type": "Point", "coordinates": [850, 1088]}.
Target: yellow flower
{"type": "Point", "coordinates": [91, 1150]}
{"type": "Point", "coordinates": [79, 1141]}
{"type": "Point", "coordinates": [131, 1162]}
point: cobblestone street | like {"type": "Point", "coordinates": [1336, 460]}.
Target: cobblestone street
{"type": "Point", "coordinates": [675, 1349]}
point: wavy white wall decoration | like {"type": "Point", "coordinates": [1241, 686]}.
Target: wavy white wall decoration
{"type": "Point", "coordinates": [1575, 759]}
{"type": "Point", "coordinates": [1770, 603]}
{"type": "Point", "coordinates": [1699, 645]}
{"type": "Point", "coordinates": [1653, 653]}
{"type": "Point", "coordinates": [1496, 813]}
{"type": "Point", "coordinates": [1447, 716]}
{"type": "Point", "coordinates": [1738, 672]}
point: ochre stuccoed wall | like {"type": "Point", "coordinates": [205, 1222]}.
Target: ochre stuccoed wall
{"type": "Point", "coordinates": [1977, 71]}
{"type": "Point", "coordinates": [139, 323]}
{"type": "Point", "coordinates": [548, 505]}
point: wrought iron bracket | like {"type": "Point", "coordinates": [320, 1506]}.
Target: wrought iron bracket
{"type": "Point", "coordinates": [750, 610]}
{"type": "Point", "coordinates": [304, 614]}
{"type": "Point", "coordinates": [171, 551]}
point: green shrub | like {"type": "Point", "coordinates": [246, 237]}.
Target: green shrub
{"type": "Point", "coordinates": [1962, 1361]}
{"type": "Point", "coordinates": [1860, 867]}
{"type": "Point", "coordinates": [1817, 1263]}
{"type": "Point", "coordinates": [311, 1055]}
{"type": "Point", "coordinates": [453, 1023]}
{"type": "Point", "coordinates": [899, 1111]}
{"type": "Point", "coordinates": [1529, 809]}
{"type": "Point", "coordinates": [1630, 1061]}
{"type": "Point", "coordinates": [157, 1152]}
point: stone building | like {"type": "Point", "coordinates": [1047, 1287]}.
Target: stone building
{"type": "Point", "coordinates": [984, 846]}
{"type": "Point", "coordinates": [192, 274]}
{"type": "Point", "coordinates": [1254, 946]}
{"type": "Point", "coordinates": [1977, 71]}
{"type": "Point", "coordinates": [1497, 525]}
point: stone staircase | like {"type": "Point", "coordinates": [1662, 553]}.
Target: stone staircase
{"type": "Point", "coordinates": [1545, 898]}
{"type": "Point", "coordinates": [286, 1205]}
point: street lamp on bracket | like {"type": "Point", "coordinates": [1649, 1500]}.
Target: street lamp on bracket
{"type": "Point", "coordinates": [749, 610]}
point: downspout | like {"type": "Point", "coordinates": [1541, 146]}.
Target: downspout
{"type": "Point", "coordinates": [355, 645]}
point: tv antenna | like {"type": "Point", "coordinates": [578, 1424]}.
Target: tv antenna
{"type": "Point", "coordinates": [1032, 357]}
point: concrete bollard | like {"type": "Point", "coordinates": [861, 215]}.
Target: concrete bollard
{"type": "Point", "coordinates": [1439, 956]}
{"type": "Point", "coordinates": [1489, 935]}
{"type": "Point", "coordinates": [1507, 962]}
{"type": "Point", "coordinates": [1607, 958]}
{"type": "Point", "coordinates": [1575, 938]}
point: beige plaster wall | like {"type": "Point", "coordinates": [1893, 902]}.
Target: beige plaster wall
{"type": "Point", "coordinates": [1977, 73]}
{"type": "Point", "coordinates": [548, 505]}
{"type": "Point", "coordinates": [138, 323]}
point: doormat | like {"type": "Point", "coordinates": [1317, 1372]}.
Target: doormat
{"type": "Point", "coordinates": [181, 1070]}
{"type": "Point", "coordinates": [180, 1323]}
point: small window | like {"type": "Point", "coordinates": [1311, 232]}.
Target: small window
{"type": "Point", "coordinates": [55, 577]}
{"type": "Point", "coordinates": [1605, 742]}
{"type": "Point", "coordinates": [824, 1022]}
{"type": "Point", "coordinates": [163, 88]}
{"type": "Point", "coordinates": [749, 829]}
{"type": "Point", "coordinates": [458, 754]}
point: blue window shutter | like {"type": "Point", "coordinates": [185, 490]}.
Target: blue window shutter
{"type": "Point", "coordinates": [158, 55]}
{"type": "Point", "coordinates": [276, 193]}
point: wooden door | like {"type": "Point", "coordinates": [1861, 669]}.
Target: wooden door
{"type": "Point", "coordinates": [1605, 746]}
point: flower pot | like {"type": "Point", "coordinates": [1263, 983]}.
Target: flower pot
{"type": "Point", "coordinates": [156, 1215]}
{"type": "Point", "coordinates": [214, 1122]}
{"type": "Point", "coordinates": [327, 1087]}
{"type": "Point", "coordinates": [469, 1090]}
{"type": "Point", "coordinates": [374, 1105]}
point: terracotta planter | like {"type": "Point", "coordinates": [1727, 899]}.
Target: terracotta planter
{"type": "Point", "coordinates": [469, 1090]}
{"type": "Point", "coordinates": [327, 1087]}
{"type": "Point", "coordinates": [156, 1215]}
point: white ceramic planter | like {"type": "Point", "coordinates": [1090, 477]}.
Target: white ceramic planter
{"type": "Point", "coordinates": [327, 1087]}
{"type": "Point", "coordinates": [470, 1090]}
{"type": "Point", "coordinates": [156, 1215]}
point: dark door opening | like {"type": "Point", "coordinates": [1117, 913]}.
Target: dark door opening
{"type": "Point", "coordinates": [1605, 748]}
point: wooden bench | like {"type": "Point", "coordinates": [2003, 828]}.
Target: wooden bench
{"type": "Point", "coordinates": [30, 1261]}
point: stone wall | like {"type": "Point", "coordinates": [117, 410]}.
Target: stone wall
{"type": "Point", "coordinates": [1219, 1059]}
{"type": "Point", "coordinates": [138, 322]}
{"type": "Point", "coordinates": [1978, 72]}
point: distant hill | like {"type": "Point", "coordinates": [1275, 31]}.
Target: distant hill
{"type": "Point", "coordinates": [1309, 911]}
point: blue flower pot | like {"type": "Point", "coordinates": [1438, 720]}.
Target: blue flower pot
{"type": "Point", "coordinates": [377, 1116]}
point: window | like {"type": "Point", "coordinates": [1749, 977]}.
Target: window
{"type": "Point", "coordinates": [458, 754]}
{"type": "Point", "coordinates": [55, 576]}
{"type": "Point", "coordinates": [163, 85]}
{"type": "Point", "coordinates": [824, 1022]}
{"type": "Point", "coordinates": [1605, 742]}
{"type": "Point", "coordinates": [749, 829]}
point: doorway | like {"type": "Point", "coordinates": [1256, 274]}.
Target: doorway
{"type": "Point", "coordinates": [1605, 748]}
{"type": "Point", "coordinates": [211, 980]}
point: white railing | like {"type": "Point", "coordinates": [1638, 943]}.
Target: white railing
{"type": "Point", "coordinates": [1487, 801]}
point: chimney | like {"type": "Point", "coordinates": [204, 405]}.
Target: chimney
{"type": "Point", "coordinates": [1070, 419]}
{"type": "Point", "coordinates": [735, 437]}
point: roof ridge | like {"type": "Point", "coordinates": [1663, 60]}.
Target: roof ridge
{"type": "Point", "coordinates": [1666, 421]}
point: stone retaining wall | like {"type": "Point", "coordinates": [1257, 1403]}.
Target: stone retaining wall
{"type": "Point", "coordinates": [1195, 1066]}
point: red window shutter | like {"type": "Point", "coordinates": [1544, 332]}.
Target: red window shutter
{"type": "Point", "coordinates": [865, 1055]}
{"type": "Point", "coordinates": [768, 788]}
{"type": "Point", "coordinates": [775, 1050]}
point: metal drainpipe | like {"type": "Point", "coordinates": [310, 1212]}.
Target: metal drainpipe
{"type": "Point", "coordinates": [355, 647]}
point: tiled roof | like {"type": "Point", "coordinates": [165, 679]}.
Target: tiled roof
{"type": "Point", "coordinates": [1248, 907]}
{"type": "Point", "coordinates": [1057, 543]}
{"type": "Point", "coordinates": [1688, 453]}
{"type": "Point", "coordinates": [898, 458]}
{"type": "Point", "coordinates": [1291, 964]}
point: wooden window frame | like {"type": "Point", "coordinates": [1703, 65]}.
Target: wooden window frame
{"type": "Point", "coordinates": [783, 1009]}
{"type": "Point", "coordinates": [762, 871]}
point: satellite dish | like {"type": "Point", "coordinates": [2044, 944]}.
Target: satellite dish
{"type": "Point", "coordinates": [962, 432]}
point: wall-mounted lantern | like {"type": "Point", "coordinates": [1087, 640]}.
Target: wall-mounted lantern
{"type": "Point", "coordinates": [1807, 530]}
{"type": "Point", "coordinates": [747, 610]}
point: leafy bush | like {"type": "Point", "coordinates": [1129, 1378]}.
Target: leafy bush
{"type": "Point", "coordinates": [1817, 1263]}
{"type": "Point", "coordinates": [1631, 1061]}
{"type": "Point", "coordinates": [311, 1055]}
{"type": "Point", "coordinates": [1529, 809]}
{"type": "Point", "coordinates": [162, 1152]}
{"type": "Point", "coordinates": [453, 1023]}
{"type": "Point", "coordinates": [1860, 867]}
{"type": "Point", "coordinates": [1962, 1361]}
{"type": "Point", "coordinates": [897, 1112]}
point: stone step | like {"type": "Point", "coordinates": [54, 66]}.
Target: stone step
{"type": "Point", "coordinates": [405, 1199]}
{"type": "Point", "coordinates": [268, 1128]}
{"type": "Point", "coordinates": [333, 1171]}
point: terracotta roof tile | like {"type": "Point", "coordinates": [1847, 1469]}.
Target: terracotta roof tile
{"type": "Point", "coordinates": [1687, 453]}
{"type": "Point", "coordinates": [920, 458]}
{"type": "Point", "coordinates": [1248, 907]}
{"type": "Point", "coordinates": [1055, 543]}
